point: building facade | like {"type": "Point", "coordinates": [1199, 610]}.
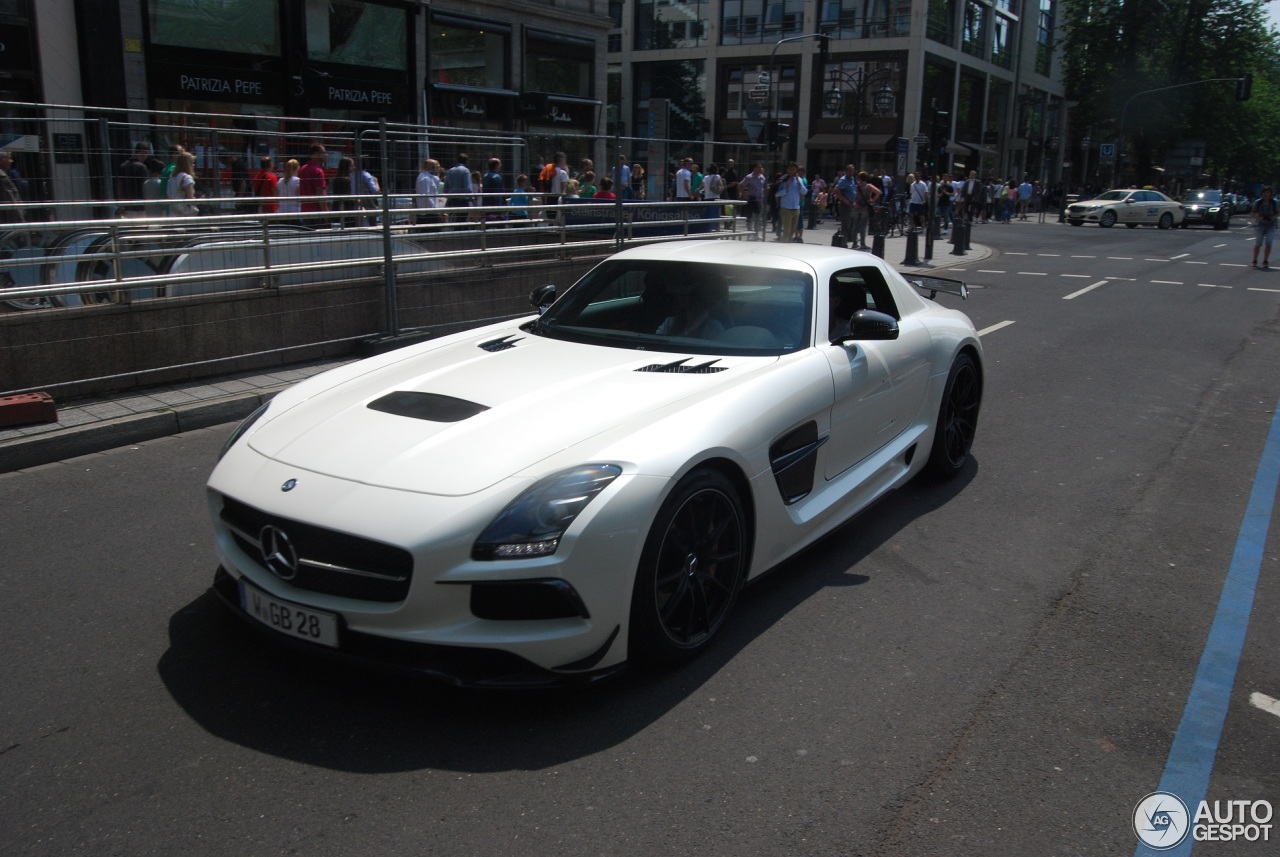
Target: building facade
{"type": "Point", "coordinates": [891, 86]}
{"type": "Point", "coordinates": [244, 78]}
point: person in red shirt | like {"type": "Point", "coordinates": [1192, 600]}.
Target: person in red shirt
{"type": "Point", "coordinates": [312, 185]}
{"type": "Point", "coordinates": [265, 184]}
{"type": "Point", "coordinates": [606, 189]}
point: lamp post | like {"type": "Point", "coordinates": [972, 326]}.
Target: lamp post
{"type": "Point", "coordinates": [859, 82]}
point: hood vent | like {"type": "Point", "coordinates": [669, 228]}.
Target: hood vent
{"type": "Point", "coordinates": [502, 344]}
{"type": "Point", "coordinates": [680, 367]}
{"type": "Point", "coordinates": [427, 406]}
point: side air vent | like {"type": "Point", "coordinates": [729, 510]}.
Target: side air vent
{"type": "Point", "coordinates": [500, 344]}
{"type": "Point", "coordinates": [681, 367]}
{"type": "Point", "coordinates": [427, 406]}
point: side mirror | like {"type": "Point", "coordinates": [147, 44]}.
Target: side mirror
{"type": "Point", "coordinates": [868, 324]}
{"type": "Point", "coordinates": [542, 297]}
{"type": "Point", "coordinates": [933, 285]}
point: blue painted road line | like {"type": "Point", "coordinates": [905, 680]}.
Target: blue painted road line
{"type": "Point", "coordinates": [1190, 762]}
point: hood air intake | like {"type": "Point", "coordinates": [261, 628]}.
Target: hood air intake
{"type": "Point", "coordinates": [427, 406]}
{"type": "Point", "coordinates": [681, 367]}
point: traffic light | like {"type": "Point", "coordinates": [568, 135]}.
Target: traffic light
{"type": "Point", "coordinates": [941, 128]}
{"type": "Point", "coordinates": [1244, 86]}
{"type": "Point", "coordinates": [779, 134]}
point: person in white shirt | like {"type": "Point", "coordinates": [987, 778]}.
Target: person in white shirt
{"type": "Point", "coordinates": [427, 188]}
{"type": "Point", "coordinates": [621, 175]}
{"type": "Point", "coordinates": [684, 180]}
{"type": "Point", "coordinates": [919, 200]}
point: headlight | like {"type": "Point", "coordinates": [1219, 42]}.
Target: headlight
{"type": "Point", "coordinates": [532, 524]}
{"type": "Point", "coordinates": [242, 429]}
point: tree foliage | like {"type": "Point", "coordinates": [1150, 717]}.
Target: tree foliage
{"type": "Point", "coordinates": [1190, 52]}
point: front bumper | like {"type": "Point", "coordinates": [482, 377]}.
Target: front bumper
{"type": "Point", "coordinates": [461, 666]}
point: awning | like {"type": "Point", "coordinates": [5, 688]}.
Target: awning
{"type": "Point", "coordinates": [963, 148]}
{"type": "Point", "coordinates": [845, 141]}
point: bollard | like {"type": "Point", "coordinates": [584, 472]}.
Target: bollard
{"type": "Point", "coordinates": [877, 245]}
{"type": "Point", "coordinates": [913, 249]}
{"type": "Point", "coordinates": [928, 242]}
{"type": "Point", "coordinates": [959, 238]}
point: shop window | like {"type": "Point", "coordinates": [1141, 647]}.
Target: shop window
{"type": "Point", "coordinates": [357, 33]}
{"type": "Point", "coordinates": [248, 26]}
{"type": "Point", "coordinates": [559, 65]}
{"type": "Point", "coordinates": [468, 55]}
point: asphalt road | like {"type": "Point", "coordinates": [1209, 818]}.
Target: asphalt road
{"type": "Point", "coordinates": [993, 666]}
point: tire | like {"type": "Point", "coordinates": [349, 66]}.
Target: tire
{"type": "Point", "coordinates": [1166, 221]}
{"type": "Point", "coordinates": [1076, 222]}
{"type": "Point", "coordinates": [692, 567]}
{"type": "Point", "coordinates": [957, 418]}
{"type": "Point", "coordinates": [1132, 225]}
{"type": "Point", "coordinates": [1224, 225]}
{"type": "Point", "coordinates": [1108, 219]}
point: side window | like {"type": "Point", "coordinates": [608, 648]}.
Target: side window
{"type": "Point", "coordinates": [863, 288]}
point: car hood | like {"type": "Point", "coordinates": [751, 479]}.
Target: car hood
{"type": "Point", "coordinates": [464, 417]}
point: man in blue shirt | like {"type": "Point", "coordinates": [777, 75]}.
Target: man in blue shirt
{"type": "Point", "coordinates": [1024, 197]}
{"type": "Point", "coordinates": [791, 193]}
{"type": "Point", "coordinates": [457, 187]}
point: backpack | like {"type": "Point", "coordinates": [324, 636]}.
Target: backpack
{"type": "Point", "coordinates": [545, 178]}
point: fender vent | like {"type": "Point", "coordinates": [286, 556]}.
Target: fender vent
{"type": "Point", "coordinates": [500, 344]}
{"type": "Point", "coordinates": [681, 367]}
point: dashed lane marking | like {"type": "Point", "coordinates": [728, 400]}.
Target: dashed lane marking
{"type": "Point", "coordinates": [1264, 702]}
{"type": "Point", "coordinates": [1121, 258]}
{"type": "Point", "coordinates": [993, 328]}
{"type": "Point", "coordinates": [1192, 262]}
{"type": "Point", "coordinates": [1168, 282]}
{"type": "Point", "coordinates": [1032, 274]}
{"type": "Point", "coordinates": [1084, 257]}
{"type": "Point", "coordinates": [1212, 286]}
{"type": "Point", "coordinates": [1085, 290]}
{"type": "Point", "coordinates": [1156, 260]}
{"type": "Point", "coordinates": [1180, 256]}
{"type": "Point", "coordinates": [1080, 276]}
{"type": "Point", "coordinates": [1257, 289]}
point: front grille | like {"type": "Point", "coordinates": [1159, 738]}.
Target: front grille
{"type": "Point", "coordinates": [328, 562]}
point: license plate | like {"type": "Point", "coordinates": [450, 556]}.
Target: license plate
{"type": "Point", "coordinates": [316, 626]}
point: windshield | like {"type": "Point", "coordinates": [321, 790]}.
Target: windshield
{"type": "Point", "coordinates": [686, 307]}
{"type": "Point", "coordinates": [1203, 196]}
{"type": "Point", "coordinates": [1113, 195]}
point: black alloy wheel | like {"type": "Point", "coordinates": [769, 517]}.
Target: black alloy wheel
{"type": "Point", "coordinates": [957, 418]}
{"type": "Point", "coordinates": [691, 570]}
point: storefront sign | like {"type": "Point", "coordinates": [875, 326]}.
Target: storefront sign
{"type": "Point", "coordinates": [215, 84]}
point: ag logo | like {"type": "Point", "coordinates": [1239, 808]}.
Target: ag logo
{"type": "Point", "coordinates": [1161, 820]}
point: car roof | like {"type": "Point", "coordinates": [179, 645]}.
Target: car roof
{"type": "Point", "coordinates": [757, 253]}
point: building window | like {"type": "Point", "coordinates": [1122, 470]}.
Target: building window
{"type": "Point", "coordinates": [671, 24]}
{"type": "Point", "coordinates": [1044, 38]}
{"type": "Point", "coordinates": [1002, 41]}
{"type": "Point", "coordinates": [973, 33]}
{"type": "Point", "coordinates": [560, 65]}
{"type": "Point", "coordinates": [864, 19]}
{"type": "Point", "coordinates": [941, 23]}
{"type": "Point", "coordinates": [242, 25]}
{"type": "Point", "coordinates": [681, 84]}
{"type": "Point", "coordinates": [747, 22]}
{"type": "Point", "coordinates": [464, 54]}
{"type": "Point", "coordinates": [357, 33]}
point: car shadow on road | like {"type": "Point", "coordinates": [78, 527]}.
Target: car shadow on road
{"type": "Point", "coordinates": [243, 688]}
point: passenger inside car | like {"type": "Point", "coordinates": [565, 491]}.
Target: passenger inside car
{"type": "Point", "coordinates": [699, 307]}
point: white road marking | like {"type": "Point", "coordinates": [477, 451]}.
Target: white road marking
{"type": "Point", "coordinates": [1033, 273]}
{"type": "Point", "coordinates": [1212, 286]}
{"type": "Point", "coordinates": [1155, 260]}
{"type": "Point", "coordinates": [993, 328]}
{"type": "Point", "coordinates": [1256, 289]}
{"type": "Point", "coordinates": [988, 271]}
{"type": "Point", "coordinates": [1049, 254]}
{"type": "Point", "coordinates": [1123, 279]}
{"type": "Point", "coordinates": [1017, 254]}
{"type": "Point", "coordinates": [1084, 257]}
{"type": "Point", "coordinates": [1264, 702]}
{"type": "Point", "coordinates": [1216, 246]}
{"type": "Point", "coordinates": [1121, 258]}
{"type": "Point", "coordinates": [1168, 282]}
{"type": "Point", "coordinates": [1081, 276]}
{"type": "Point", "coordinates": [1195, 263]}
{"type": "Point", "coordinates": [1180, 256]}
{"type": "Point", "coordinates": [1075, 295]}
{"type": "Point", "coordinates": [1233, 264]}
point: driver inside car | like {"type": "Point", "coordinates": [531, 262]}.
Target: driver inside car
{"type": "Point", "coordinates": [697, 300]}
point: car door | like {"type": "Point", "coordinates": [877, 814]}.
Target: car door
{"type": "Point", "coordinates": [878, 384]}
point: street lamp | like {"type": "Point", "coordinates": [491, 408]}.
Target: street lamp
{"type": "Point", "coordinates": [860, 82]}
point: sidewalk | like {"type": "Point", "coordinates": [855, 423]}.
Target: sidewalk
{"type": "Point", "coordinates": [92, 425]}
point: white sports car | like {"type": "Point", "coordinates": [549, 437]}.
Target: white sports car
{"type": "Point", "coordinates": [537, 501]}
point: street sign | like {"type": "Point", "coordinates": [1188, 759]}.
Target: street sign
{"type": "Point", "coordinates": [1107, 150]}
{"type": "Point", "coordinates": [922, 139]}
{"type": "Point", "coordinates": [753, 131]}
{"type": "Point", "coordinates": [902, 145]}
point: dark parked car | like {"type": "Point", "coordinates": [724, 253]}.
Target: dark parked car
{"type": "Point", "coordinates": [1207, 206]}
